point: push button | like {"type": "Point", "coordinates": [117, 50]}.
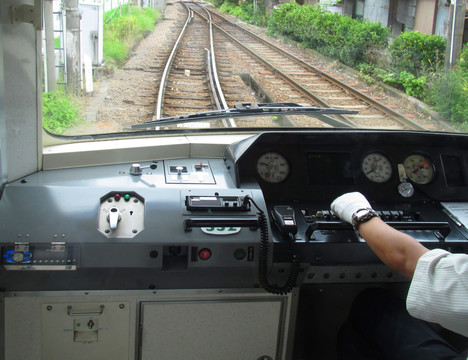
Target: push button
{"type": "Point", "coordinates": [204, 254]}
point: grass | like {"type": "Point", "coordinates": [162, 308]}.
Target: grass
{"type": "Point", "coordinates": [123, 29]}
{"type": "Point", "coordinates": [59, 112]}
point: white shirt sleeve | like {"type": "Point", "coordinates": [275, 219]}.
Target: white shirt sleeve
{"type": "Point", "coordinates": [439, 290]}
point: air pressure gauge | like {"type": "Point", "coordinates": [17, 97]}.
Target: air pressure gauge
{"type": "Point", "coordinates": [419, 169]}
{"type": "Point", "coordinates": [272, 167]}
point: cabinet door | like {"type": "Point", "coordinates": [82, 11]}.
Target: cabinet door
{"type": "Point", "coordinates": [205, 330]}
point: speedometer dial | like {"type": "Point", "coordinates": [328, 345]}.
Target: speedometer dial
{"type": "Point", "coordinates": [273, 167]}
{"type": "Point", "coordinates": [377, 167]}
{"type": "Point", "coordinates": [419, 169]}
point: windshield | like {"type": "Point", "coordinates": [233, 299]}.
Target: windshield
{"type": "Point", "coordinates": [113, 66]}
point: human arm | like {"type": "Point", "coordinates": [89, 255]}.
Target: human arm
{"type": "Point", "coordinates": [397, 250]}
{"type": "Point", "coordinates": [439, 279]}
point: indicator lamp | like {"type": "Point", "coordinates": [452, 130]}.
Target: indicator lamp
{"type": "Point", "coordinates": [205, 254]}
{"type": "Point", "coordinates": [127, 197]}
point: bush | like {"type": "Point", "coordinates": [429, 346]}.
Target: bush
{"type": "Point", "coordinates": [334, 35]}
{"type": "Point", "coordinates": [245, 12]}
{"type": "Point", "coordinates": [59, 112]}
{"type": "Point", "coordinates": [416, 53]}
{"type": "Point", "coordinates": [450, 94]}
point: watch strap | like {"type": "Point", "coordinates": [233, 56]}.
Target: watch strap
{"type": "Point", "coordinates": [370, 213]}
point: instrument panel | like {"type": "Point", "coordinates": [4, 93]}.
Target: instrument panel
{"type": "Point", "coordinates": [386, 166]}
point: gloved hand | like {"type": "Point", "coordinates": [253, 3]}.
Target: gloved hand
{"type": "Point", "coordinates": [346, 205]}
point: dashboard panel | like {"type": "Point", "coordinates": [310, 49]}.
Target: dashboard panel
{"type": "Point", "coordinates": [214, 222]}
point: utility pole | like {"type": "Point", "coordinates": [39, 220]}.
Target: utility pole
{"type": "Point", "coordinates": [455, 36]}
{"type": "Point", "coordinates": [72, 38]}
{"type": "Point", "coordinates": [50, 44]}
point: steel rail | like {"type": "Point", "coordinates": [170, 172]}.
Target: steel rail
{"type": "Point", "coordinates": [344, 119]}
{"type": "Point", "coordinates": [165, 74]}
{"type": "Point", "coordinates": [382, 107]}
{"type": "Point", "coordinates": [213, 68]}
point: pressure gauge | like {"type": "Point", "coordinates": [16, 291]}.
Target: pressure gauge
{"type": "Point", "coordinates": [419, 169]}
{"type": "Point", "coordinates": [272, 167]}
{"type": "Point", "coordinates": [406, 189]}
{"type": "Point", "coordinates": [377, 167]}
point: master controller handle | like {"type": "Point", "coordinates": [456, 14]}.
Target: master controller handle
{"type": "Point", "coordinates": [113, 217]}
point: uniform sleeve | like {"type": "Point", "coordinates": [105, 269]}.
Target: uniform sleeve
{"type": "Point", "coordinates": [439, 290]}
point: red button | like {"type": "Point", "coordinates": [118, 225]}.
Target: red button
{"type": "Point", "coordinates": [117, 197]}
{"type": "Point", "coordinates": [205, 254]}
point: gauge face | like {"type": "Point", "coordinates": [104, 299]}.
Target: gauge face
{"type": "Point", "coordinates": [419, 169]}
{"type": "Point", "coordinates": [406, 189]}
{"type": "Point", "coordinates": [273, 167]}
{"type": "Point", "coordinates": [377, 167]}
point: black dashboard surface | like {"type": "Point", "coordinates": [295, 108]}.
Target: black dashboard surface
{"type": "Point", "coordinates": [323, 164]}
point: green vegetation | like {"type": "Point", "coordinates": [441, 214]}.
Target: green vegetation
{"type": "Point", "coordinates": [417, 53]}
{"type": "Point", "coordinates": [123, 28]}
{"type": "Point", "coordinates": [245, 11]}
{"type": "Point", "coordinates": [450, 93]}
{"type": "Point", "coordinates": [349, 40]}
{"type": "Point", "coordinates": [59, 112]}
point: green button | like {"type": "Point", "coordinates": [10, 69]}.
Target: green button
{"type": "Point", "coordinates": [127, 197]}
{"type": "Point", "coordinates": [240, 254]}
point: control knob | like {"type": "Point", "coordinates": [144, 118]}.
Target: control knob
{"type": "Point", "coordinates": [137, 169]}
{"type": "Point", "coordinates": [113, 217]}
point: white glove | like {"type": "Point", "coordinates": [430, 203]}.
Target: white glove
{"type": "Point", "coordinates": [346, 205]}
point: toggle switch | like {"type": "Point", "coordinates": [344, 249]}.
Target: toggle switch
{"type": "Point", "coordinates": [113, 217]}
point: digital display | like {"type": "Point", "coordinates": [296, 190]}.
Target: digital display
{"type": "Point", "coordinates": [329, 168]}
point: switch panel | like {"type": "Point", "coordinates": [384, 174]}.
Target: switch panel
{"type": "Point", "coordinates": [121, 214]}
{"type": "Point", "coordinates": [54, 256]}
{"type": "Point", "coordinates": [188, 171]}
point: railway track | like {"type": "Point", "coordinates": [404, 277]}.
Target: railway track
{"type": "Point", "coordinates": [185, 86]}
{"type": "Point", "coordinates": [318, 87]}
{"type": "Point", "coordinates": [200, 76]}
{"type": "Point", "coordinates": [191, 80]}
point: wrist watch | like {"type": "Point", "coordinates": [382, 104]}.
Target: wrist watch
{"type": "Point", "coordinates": [363, 215]}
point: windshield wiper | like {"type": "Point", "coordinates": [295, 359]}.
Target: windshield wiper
{"type": "Point", "coordinates": [251, 109]}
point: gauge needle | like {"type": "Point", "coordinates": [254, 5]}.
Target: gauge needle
{"type": "Point", "coordinates": [424, 164]}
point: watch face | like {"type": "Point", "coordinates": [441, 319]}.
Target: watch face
{"type": "Point", "coordinates": [363, 215]}
{"type": "Point", "coordinates": [360, 213]}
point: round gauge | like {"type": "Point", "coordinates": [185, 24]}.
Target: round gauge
{"type": "Point", "coordinates": [406, 189]}
{"type": "Point", "coordinates": [273, 167]}
{"type": "Point", "coordinates": [419, 169]}
{"type": "Point", "coordinates": [377, 167]}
